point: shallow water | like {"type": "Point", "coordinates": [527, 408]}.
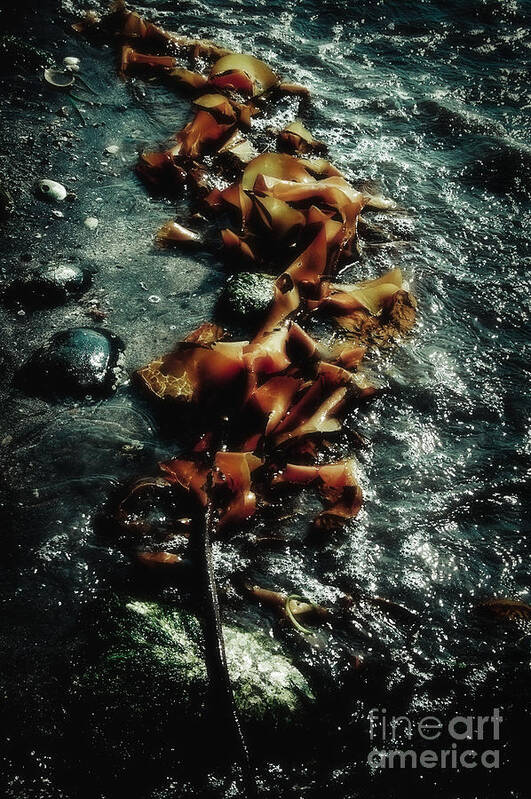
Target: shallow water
{"type": "Point", "coordinates": [429, 99]}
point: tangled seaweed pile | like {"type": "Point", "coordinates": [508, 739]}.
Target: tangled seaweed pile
{"type": "Point", "coordinates": [280, 393]}
{"type": "Point", "coordinates": [266, 407]}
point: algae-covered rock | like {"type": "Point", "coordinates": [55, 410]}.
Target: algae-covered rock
{"type": "Point", "coordinates": [265, 682]}
{"type": "Point", "coordinates": [247, 296]}
{"type": "Point", "coordinates": [140, 707]}
{"type": "Point", "coordinates": [152, 667]}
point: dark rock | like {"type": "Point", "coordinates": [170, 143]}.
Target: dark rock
{"type": "Point", "coordinates": [47, 286]}
{"type": "Point", "coordinates": [372, 233]}
{"type": "Point", "coordinates": [501, 167]}
{"type": "Point", "coordinates": [17, 54]}
{"type": "Point", "coordinates": [7, 205]}
{"type": "Point", "coordinates": [247, 296]}
{"type": "Point", "coordinates": [76, 362]}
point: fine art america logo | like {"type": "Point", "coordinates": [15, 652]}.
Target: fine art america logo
{"type": "Point", "coordinates": [465, 738]}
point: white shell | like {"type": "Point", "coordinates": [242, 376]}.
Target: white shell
{"type": "Point", "coordinates": [72, 63]}
{"type": "Point", "coordinates": [51, 189]}
{"type": "Point", "coordinates": [91, 222]}
{"type": "Point", "coordinates": [60, 78]}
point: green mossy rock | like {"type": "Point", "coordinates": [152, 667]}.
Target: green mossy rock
{"type": "Point", "coordinates": [155, 666]}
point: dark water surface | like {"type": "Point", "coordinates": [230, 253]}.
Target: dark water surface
{"type": "Point", "coordinates": [431, 100]}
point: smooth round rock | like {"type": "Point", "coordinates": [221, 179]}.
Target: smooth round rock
{"type": "Point", "coordinates": [50, 190]}
{"type": "Point", "coordinates": [77, 362]}
{"type": "Point", "coordinates": [91, 222]}
{"type": "Point", "coordinates": [247, 296]}
{"type": "Point", "coordinates": [48, 286]}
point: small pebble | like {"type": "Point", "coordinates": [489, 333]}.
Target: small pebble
{"type": "Point", "coordinates": [57, 214]}
{"type": "Point", "coordinates": [112, 149]}
{"type": "Point", "coordinates": [51, 190]}
{"type": "Point", "coordinates": [91, 222]}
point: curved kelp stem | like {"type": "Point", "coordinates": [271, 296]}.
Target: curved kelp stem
{"type": "Point", "coordinates": [289, 613]}
{"type": "Point", "coordinates": [221, 696]}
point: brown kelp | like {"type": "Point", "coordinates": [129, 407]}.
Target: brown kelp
{"type": "Point", "coordinates": [269, 403]}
